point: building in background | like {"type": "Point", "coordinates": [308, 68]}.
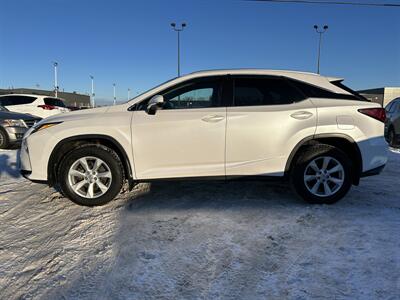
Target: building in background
{"type": "Point", "coordinates": [71, 99]}
{"type": "Point", "coordinates": [381, 95]}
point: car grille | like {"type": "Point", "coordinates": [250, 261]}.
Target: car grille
{"type": "Point", "coordinates": [30, 123]}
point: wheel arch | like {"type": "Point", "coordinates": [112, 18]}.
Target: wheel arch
{"type": "Point", "coordinates": [339, 140]}
{"type": "Point", "coordinates": [66, 145]}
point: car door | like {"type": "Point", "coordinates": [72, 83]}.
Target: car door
{"type": "Point", "coordinates": [269, 116]}
{"type": "Point", "coordinates": [186, 138]}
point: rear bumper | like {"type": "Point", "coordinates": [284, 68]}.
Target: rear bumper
{"type": "Point", "coordinates": [374, 153]}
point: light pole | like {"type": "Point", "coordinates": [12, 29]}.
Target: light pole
{"type": "Point", "coordinates": [115, 99]}
{"type": "Point", "coordinates": [178, 30]}
{"type": "Point", "coordinates": [92, 79]}
{"type": "Point", "coordinates": [129, 93]}
{"type": "Point", "coordinates": [320, 32]}
{"type": "Point", "coordinates": [55, 64]}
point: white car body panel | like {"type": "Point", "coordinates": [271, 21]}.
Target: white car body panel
{"type": "Point", "coordinates": [260, 139]}
{"type": "Point", "coordinates": [179, 143]}
{"type": "Point", "coordinates": [115, 124]}
{"type": "Point", "coordinates": [365, 131]}
{"type": "Point", "coordinates": [222, 141]}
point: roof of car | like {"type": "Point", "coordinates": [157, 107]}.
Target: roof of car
{"type": "Point", "coordinates": [251, 71]}
{"type": "Point", "coordinates": [312, 78]}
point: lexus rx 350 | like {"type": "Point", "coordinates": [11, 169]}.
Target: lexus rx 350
{"type": "Point", "coordinates": [308, 128]}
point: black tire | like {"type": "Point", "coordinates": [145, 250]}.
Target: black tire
{"type": "Point", "coordinates": [98, 151]}
{"type": "Point", "coordinates": [392, 137]}
{"type": "Point", "coordinates": [4, 140]}
{"type": "Point", "coordinates": [305, 157]}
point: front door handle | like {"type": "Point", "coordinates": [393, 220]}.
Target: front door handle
{"type": "Point", "coordinates": [213, 118]}
{"type": "Point", "coordinates": [301, 115]}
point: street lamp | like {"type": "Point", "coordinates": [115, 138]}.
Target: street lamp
{"type": "Point", "coordinates": [129, 93]}
{"type": "Point", "coordinates": [178, 30]}
{"type": "Point", "coordinates": [55, 64]}
{"type": "Point", "coordinates": [320, 32]}
{"type": "Point", "coordinates": [92, 79]}
{"type": "Point", "coordinates": [115, 99]}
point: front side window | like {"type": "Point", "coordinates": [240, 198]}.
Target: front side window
{"type": "Point", "coordinates": [264, 91]}
{"type": "Point", "coordinates": [199, 93]}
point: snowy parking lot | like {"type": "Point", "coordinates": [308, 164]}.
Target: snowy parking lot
{"type": "Point", "coordinates": [200, 240]}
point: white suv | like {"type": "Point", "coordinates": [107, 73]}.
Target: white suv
{"type": "Point", "coordinates": [313, 130]}
{"type": "Point", "coordinates": [37, 105]}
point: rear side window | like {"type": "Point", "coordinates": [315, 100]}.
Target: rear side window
{"type": "Point", "coordinates": [16, 100]}
{"type": "Point", "coordinates": [264, 91]}
{"type": "Point", "coordinates": [312, 91]}
{"type": "Point", "coordinates": [54, 102]}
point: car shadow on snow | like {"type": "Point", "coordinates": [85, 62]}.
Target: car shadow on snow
{"type": "Point", "coordinates": [8, 168]}
{"type": "Point", "coordinates": [188, 195]}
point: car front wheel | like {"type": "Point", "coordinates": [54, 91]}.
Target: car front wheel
{"type": "Point", "coordinates": [4, 142]}
{"type": "Point", "coordinates": [322, 174]}
{"type": "Point", "coordinates": [91, 175]}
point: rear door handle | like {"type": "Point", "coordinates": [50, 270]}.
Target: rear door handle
{"type": "Point", "coordinates": [301, 115]}
{"type": "Point", "coordinates": [213, 118]}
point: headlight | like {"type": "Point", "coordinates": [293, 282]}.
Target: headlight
{"type": "Point", "coordinates": [13, 123]}
{"type": "Point", "coordinates": [45, 126]}
{"type": "Point", "coordinates": [39, 126]}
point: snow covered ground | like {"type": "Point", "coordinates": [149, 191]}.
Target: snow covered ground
{"type": "Point", "coordinates": [211, 240]}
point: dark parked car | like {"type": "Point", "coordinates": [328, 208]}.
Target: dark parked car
{"type": "Point", "coordinates": [13, 126]}
{"type": "Point", "coordinates": [392, 124]}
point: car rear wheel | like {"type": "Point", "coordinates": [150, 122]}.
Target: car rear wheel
{"type": "Point", "coordinates": [322, 174]}
{"type": "Point", "coordinates": [4, 141]}
{"type": "Point", "coordinates": [91, 175]}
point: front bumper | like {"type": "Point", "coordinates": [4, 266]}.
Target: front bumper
{"type": "Point", "coordinates": [15, 134]}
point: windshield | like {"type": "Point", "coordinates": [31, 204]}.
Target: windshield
{"type": "Point", "coordinates": [2, 108]}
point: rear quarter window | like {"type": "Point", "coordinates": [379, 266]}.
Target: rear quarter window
{"type": "Point", "coordinates": [54, 102]}
{"type": "Point", "coordinates": [312, 91]}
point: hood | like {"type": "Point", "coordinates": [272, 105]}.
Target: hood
{"type": "Point", "coordinates": [76, 115]}
{"type": "Point", "coordinates": [16, 116]}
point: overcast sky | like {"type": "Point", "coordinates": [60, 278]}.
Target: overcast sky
{"type": "Point", "coordinates": [132, 44]}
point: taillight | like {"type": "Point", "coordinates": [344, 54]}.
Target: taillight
{"type": "Point", "coordinates": [47, 107]}
{"type": "Point", "coordinates": [377, 113]}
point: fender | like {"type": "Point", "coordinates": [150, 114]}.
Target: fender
{"type": "Point", "coordinates": [59, 152]}
{"type": "Point", "coordinates": [308, 140]}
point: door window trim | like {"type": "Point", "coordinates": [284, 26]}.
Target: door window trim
{"type": "Point", "coordinates": [221, 102]}
{"type": "Point", "coordinates": [283, 78]}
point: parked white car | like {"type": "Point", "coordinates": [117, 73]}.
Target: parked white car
{"type": "Point", "coordinates": [37, 105]}
{"type": "Point", "coordinates": [310, 129]}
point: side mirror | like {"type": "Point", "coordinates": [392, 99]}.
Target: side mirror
{"type": "Point", "coordinates": [155, 103]}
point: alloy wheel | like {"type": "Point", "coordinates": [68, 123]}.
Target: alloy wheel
{"type": "Point", "coordinates": [324, 176]}
{"type": "Point", "coordinates": [89, 177]}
